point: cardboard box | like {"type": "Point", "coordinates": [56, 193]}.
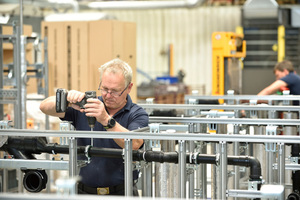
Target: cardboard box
{"type": "Point", "coordinates": [77, 59]}
{"type": "Point", "coordinates": [56, 55]}
{"type": "Point", "coordinates": [130, 53]}
{"type": "Point", "coordinates": [83, 48]}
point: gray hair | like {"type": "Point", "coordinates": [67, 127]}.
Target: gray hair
{"type": "Point", "coordinates": [117, 66]}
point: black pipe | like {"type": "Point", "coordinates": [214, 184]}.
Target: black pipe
{"type": "Point", "coordinates": [33, 180]}
{"type": "Point", "coordinates": [39, 145]}
{"type": "Point", "coordinates": [208, 159]}
{"type": "Point", "coordinates": [295, 195]}
{"type": "Point", "coordinates": [247, 161]}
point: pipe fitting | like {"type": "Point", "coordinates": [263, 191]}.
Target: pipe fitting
{"type": "Point", "coordinates": [35, 180]}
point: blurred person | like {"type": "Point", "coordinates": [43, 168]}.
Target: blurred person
{"type": "Point", "coordinates": [286, 79]}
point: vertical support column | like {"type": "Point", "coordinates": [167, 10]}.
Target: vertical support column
{"type": "Point", "coordinates": [1, 73]}
{"type": "Point", "coordinates": [215, 175]}
{"type": "Point", "coordinates": [17, 70]}
{"type": "Point", "coordinates": [182, 169]}
{"type": "Point", "coordinates": [147, 175]}
{"type": "Point", "coordinates": [203, 171]}
{"type": "Point", "coordinates": [128, 168]}
{"type": "Point", "coordinates": [73, 169]}
{"type": "Point", "coordinates": [270, 154]}
{"type": "Point", "coordinates": [23, 96]}
{"type": "Point", "coordinates": [46, 77]}
{"type": "Point", "coordinates": [223, 169]}
{"type": "Point", "coordinates": [281, 163]}
{"type": "Point", "coordinates": [72, 157]}
{"type": "Point", "coordinates": [191, 170]}
{"type": "Point", "coordinates": [236, 181]}
{"type": "Point", "coordinates": [23, 67]}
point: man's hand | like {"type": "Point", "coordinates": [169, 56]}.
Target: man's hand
{"type": "Point", "coordinates": [74, 97]}
{"type": "Point", "coordinates": [95, 108]}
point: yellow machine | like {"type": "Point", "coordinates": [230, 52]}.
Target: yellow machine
{"type": "Point", "coordinates": [228, 48]}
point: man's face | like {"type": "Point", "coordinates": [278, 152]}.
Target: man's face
{"type": "Point", "coordinates": [112, 86]}
{"type": "Point", "coordinates": [281, 74]}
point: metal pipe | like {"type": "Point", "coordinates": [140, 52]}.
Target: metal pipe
{"type": "Point", "coordinates": [142, 5]}
{"type": "Point", "coordinates": [128, 168]}
{"type": "Point", "coordinates": [182, 169]}
{"type": "Point", "coordinates": [191, 177]}
{"type": "Point", "coordinates": [72, 157]}
{"type": "Point", "coordinates": [223, 169]}
{"type": "Point", "coordinates": [281, 163]}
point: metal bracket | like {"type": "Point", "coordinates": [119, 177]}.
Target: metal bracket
{"type": "Point", "coordinates": [253, 113]}
{"type": "Point", "coordinates": [215, 114]}
{"type": "Point", "coordinates": [230, 93]}
{"type": "Point", "coordinates": [65, 126]}
{"type": "Point", "coordinates": [149, 101]}
{"type": "Point", "coordinates": [192, 112]}
{"type": "Point", "coordinates": [253, 185]}
{"type": "Point", "coordinates": [4, 138]}
{"type": "Point", "coordinates": [294, 160]}
{"type": "Point", "coordinates": [154, 128]}
{"type": "Point", "coordinates": [139, 165]}
{"type": "Point", "coordinates": [271, 130]}
{"type": "Point", "coordinates": [286, 93]}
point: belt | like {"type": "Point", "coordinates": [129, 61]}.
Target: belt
{"type": "Point", "coordinates": [101, 190]}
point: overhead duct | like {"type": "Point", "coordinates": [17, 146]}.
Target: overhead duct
{"type": "Point", "coordinates": [140, 5]}
{"type": "Point", "coordinates": [52, 4]}
{"type": "Point", "coordinates": [255, 9]}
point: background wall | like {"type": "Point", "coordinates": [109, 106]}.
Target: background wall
{"type": "Point", "coordinates": [189, 30]}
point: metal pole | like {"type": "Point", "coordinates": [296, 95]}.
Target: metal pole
{"type": "Point", "coordinates": [128, 168]}
{"type": "Point", "coordinates": [23, 81]}
{"type": "Point", "coordinates": [147, 175]}
{"type": "Point", "coordinates": [192, 173]}
{"type": "Point", "coordinates": [1, 73]}
{"type": "Point", "coordinates": [46, 77]}
{"type": "Point", "coordinates": [182, 169]}
{"type": "Point", "coordinates": [236, 145]}
{"type": "Point", "coordinates": [21, 16]}
{"type": "Point", "coordinates": [281, 163]}
{"type": "Point", "coordinates": [223, 168]}
{"type": "Point", "coordinates": [72, 157]}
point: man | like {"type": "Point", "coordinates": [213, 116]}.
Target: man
{"type": "Point", "coordinates": [285, 77]}
{"type": "Point", "coordinates": [114, 111]}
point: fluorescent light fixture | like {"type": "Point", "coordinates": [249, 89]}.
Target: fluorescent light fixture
{"type": "Point", "coordinates": [62, 1]}
{"type": "Point", "coordinates": [110, 5]}
{"type": "Point", "coordinates": [89, 16]}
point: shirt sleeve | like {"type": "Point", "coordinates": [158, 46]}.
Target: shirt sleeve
{"type": "Point", "coordinates": [138, 119]}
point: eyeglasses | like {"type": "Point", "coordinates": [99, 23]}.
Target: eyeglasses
{"type": "Point", "coordinates": [112, 93]}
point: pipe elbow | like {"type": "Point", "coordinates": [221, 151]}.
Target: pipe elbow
{"type": "Point", "coordinates": [255, 168]}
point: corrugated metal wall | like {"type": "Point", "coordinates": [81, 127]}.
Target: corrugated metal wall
{"type": "Point", "coordinates": [189, 30]}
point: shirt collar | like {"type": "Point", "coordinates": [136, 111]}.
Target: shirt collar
{"type": "Point", "coordinates": [126, 107]}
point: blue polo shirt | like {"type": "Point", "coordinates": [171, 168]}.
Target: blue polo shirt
{"type": "Point", "coordinates": [293, 83]}
{"type": "Point", "coordinates": [105, 172]}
